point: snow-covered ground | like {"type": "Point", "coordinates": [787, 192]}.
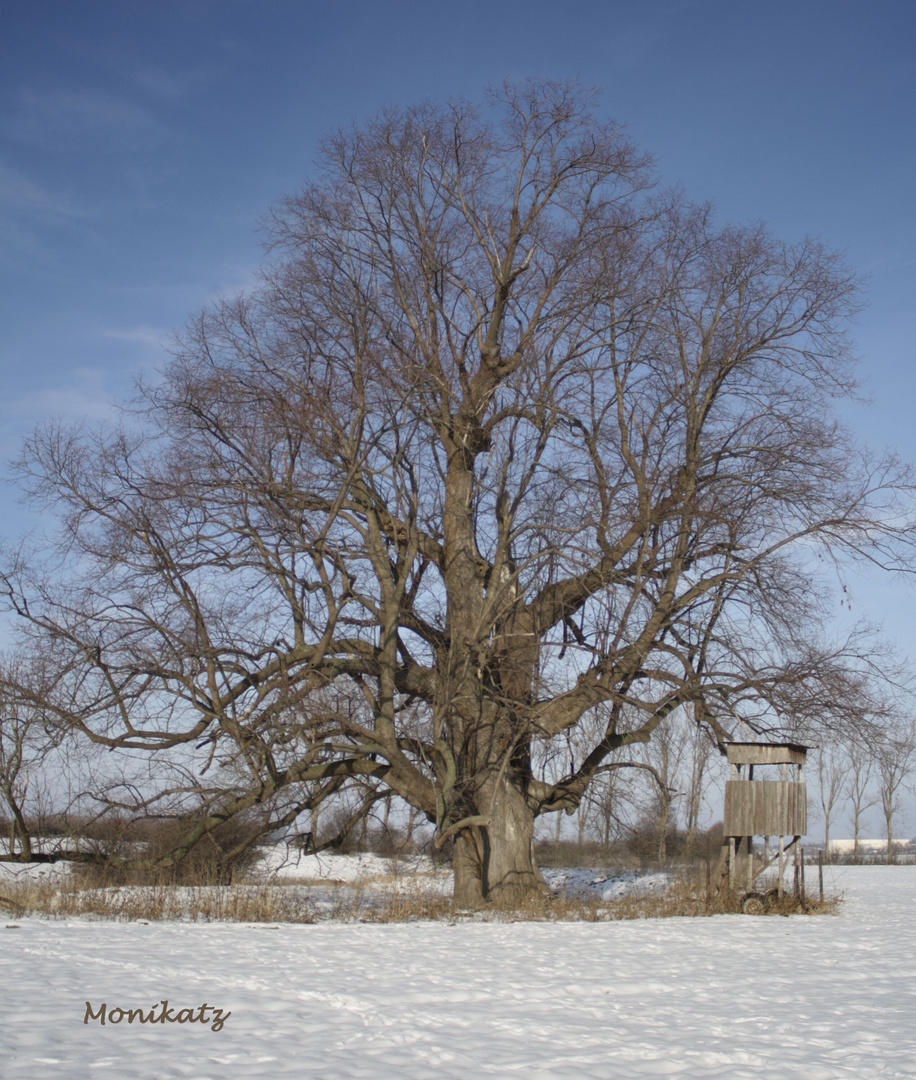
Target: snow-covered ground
{"type": "Point", "coordinates": [729, 996]}
{"type": "Point", "coordinates": [282, 864]}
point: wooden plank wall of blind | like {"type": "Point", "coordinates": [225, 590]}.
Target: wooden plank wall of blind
{"type": "Point", "coordinates": [765, 808]}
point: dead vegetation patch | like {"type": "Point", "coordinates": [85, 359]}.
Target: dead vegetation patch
{"type": "Point", "coordinates": [401, 899]}
{"type": "Point", "coordinates": [153, 903]}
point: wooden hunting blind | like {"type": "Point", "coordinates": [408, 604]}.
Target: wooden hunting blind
{"type": "Point", "coordinates": [764, 796]}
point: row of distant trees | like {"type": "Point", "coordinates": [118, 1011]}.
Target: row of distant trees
{"type": "Point", "coordinates": [654, 802]}
{"type": "Point", "coordinates": [853, 777]}
{"type": "Point", "coordinates": [666, 809]}
{"type": "Point", "coordinates": [654, 799]}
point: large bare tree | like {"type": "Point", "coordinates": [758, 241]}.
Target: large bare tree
{"type": "Point", "coordinates": [504, 440]}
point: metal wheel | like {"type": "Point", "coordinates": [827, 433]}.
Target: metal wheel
{"type": "Point", "coordinates": [754, 904]}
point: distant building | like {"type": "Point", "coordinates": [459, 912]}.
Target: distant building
{"type": "Point", "coordinates": [848, 847]}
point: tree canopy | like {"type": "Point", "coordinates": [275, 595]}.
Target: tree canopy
{"type": "Point", "coordinates": [506, 444]}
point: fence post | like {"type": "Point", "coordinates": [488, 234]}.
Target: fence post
{"type": "Point", "coordinates": [708, 877]}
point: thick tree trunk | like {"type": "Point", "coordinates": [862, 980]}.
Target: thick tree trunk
{"type": "Point", "coordinates": [510, 872]}
{"type": "Point", "coordinates": [495, 862]}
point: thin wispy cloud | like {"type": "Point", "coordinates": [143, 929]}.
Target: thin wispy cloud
{"type": "Point", "coordinates": [150, 336]}
{"type": "Point", "coordinates": [20, 192]}
{"type": "Point", "coordinates": [82, 394]}
{"type": "Point", "coordinates": [32, 214]}
{"type": "Point", "coordinates": [50, 116]}
{"type": "Point", "coordinates": [70, 155]}
{"type": "Point", "coordinates": [163, 85]}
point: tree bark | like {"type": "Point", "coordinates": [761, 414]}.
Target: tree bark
{"type": "Point", "coordinates": [467, 866]}
{"type": "Point", "coordinates": [509, 871]}
{"type": "Point", "coordinates": [494, 862]}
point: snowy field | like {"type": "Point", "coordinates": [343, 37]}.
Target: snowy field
{"type": "Point", "coordinates": [729, 996]}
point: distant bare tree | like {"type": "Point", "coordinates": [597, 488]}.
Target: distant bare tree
{"type": "Point", "coordinates": [25, 745]}
{"type": "Point", "coordinates": [664, 756]}
{"type": "Point", "coordinates": [16, 739]}
{"type": "Point", "coordinates": [607, 802]}
{"type": "Point", "coordinates": [832, 778]}
{"type": "Point", "coordinates": [894, 763]}
{"type": "Point", "coordinates": [701, 757]}
{"type": "Point", "coordinates": [858, 788]}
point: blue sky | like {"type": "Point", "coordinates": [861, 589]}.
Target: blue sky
{"type": "Point", "coordinates": [140, 143]}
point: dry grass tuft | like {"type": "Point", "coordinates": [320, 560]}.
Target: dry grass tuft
{"type": "Point", "coordinates": [404, 899]}
{"type": "Point", "coordinates": [202, 903]}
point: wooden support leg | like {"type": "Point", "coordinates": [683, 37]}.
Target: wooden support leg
{"type": "Point", "coordinates": [797, 869]}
